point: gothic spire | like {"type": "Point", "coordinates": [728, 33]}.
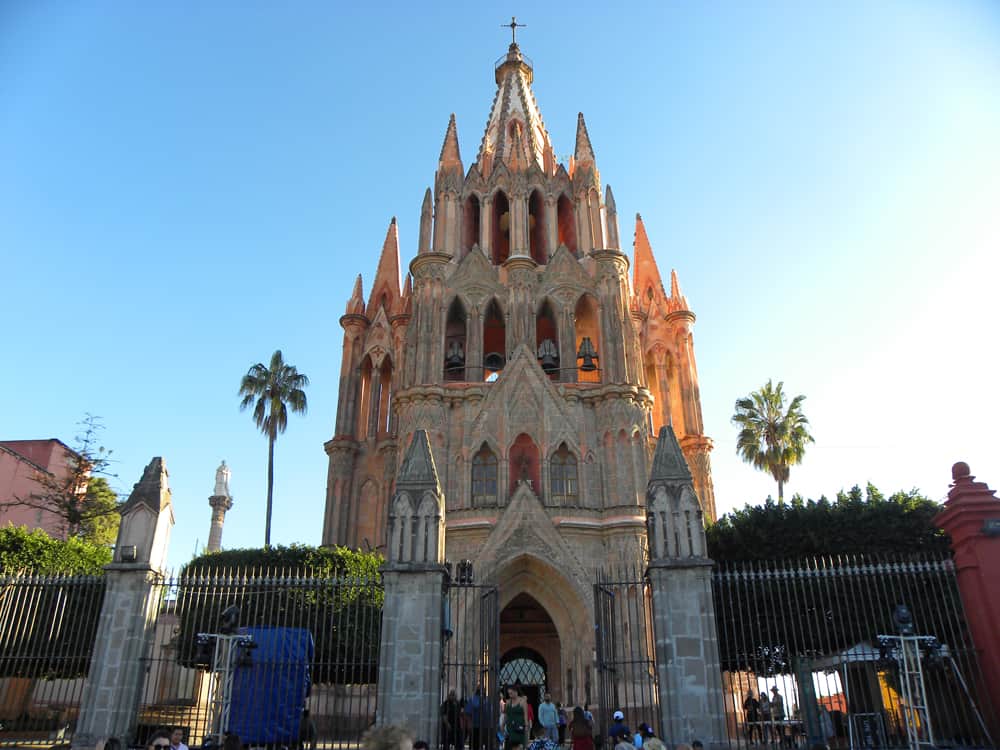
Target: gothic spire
{"type": "Point", "coordinates": [450, 159]}
{"type": "Point", "coordinates": [356, 304]}
{"type": "Point", "coordinates": [583, 154]}
{"type": "Point", "coordinates": [645, 273]}
{"type": "Point", "coordinates": [385, 288]}
{"type": "Point", "coordinates": [426, 217]}
{"type": "Point", "coordinates": [679, 299]}
{"type": "Point", "coordinates": [668, 461]}
{"type": "Point", "coordinates": [514, 109]}
{"type": "Point", "coordinates": [418, 463]}
{"type": "Point", "coordinates": [611, 212]}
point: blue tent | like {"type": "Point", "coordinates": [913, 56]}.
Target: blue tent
{"type": "Point", "coordinates": [270, 693]}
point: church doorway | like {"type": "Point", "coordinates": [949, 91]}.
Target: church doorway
{"type": "Point", "coordinates": [530, 648]}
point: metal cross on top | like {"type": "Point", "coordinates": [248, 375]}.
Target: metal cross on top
{"type": "Point", "coordinates": [513, 26]}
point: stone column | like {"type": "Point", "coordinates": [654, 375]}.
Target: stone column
{"type": "Point", "coordinates": [410, 655]}
{"type": "Point", "coordinates": [113, 690]}
{"type": "Point", "coordinates": [971, 517]}
{"type": "Point", "coordinates": [220, 502]}
{"type": "Point", "coordinates": [687, 648]}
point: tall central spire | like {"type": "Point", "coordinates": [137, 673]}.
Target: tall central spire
{"type": "Point", "coordinates": [514, 130]}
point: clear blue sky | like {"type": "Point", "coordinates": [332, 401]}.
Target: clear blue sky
{"type": "Point", "coordinates": [185, 187]}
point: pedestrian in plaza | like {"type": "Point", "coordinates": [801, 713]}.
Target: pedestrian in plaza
{"type": "Point", "coordinates": [548, 718]}
{"type": "Point", "coordinates": [474, 719]}
{"type": "Point", "coordinates": [623, 740]}
{"type": "Point", "coordinates": [649, 739]}
{"type": "Point", "coordinates": [541, 740]}
{"type": "Point", "coordinates": [751, 717]}
{"type": "Point", "coordinates": [563, 721]}
{"type": "Point", "coordinates": [515, 720]}
{"type": "Point", "coordinates": [177, 739]}
{"type": "Point", "coordinates": [618, 727]}
{"type": "Point", "coordinates": [581, 730]}
{"type": "Point", "coordinates": [451, 722]}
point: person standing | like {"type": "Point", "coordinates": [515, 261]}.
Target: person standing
{"type": "Point", "coordinates": [649, 739]}
{"type": "Point", "coordinates": [177, 739]}
{"type": "Point", "coordinates": [451, 722]}
{"type": "Point", "coordinates": [474, 719]}
{"type": "Point", "coordinates": [765, 716]}
{"type": "Point", "coordinates": [618, 727]}
{"type": "Point", "coordinates": [751, 717]}
{"type": "Point", "coordinates": [515, 719]}
{"type": "Point", "coordinates": [548, 717]}
{"type": "Point", "coordinates": [563, 721]}
{"type": "Point", "coordinates": [777, 714]}
{"type": "Point", "coordinates": [581, 730]}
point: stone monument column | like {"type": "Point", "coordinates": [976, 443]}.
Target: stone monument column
{"type": "Point", "coordinates": [687, 648]}
{"type": "Point", "coordinates": [221, 501]}
{"type": "Point", "coordinates": [409, 682]}
{"type": "Point", "coordinates": [114, 685]}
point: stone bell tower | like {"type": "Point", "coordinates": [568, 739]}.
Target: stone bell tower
{"type": "Point", "coordinates": [538, 366]}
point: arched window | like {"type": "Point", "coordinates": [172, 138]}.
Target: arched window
{"type": "Point", "coordinates": [536, 228]}
{"type": "Point", "coordinates": [494, 341]}
{"type": "Point", "coordinates": [547, 340]}
{"type": "Point", "coordinates": [470, 224]}
{"type": "Point", "coordinates": [484, 478]}
{"type": "Point", "coordinates": [567, 223]}
{"type": "Point", "coordinates": [383, 420]}
{"type": "Point", "coordinates": [454, 342]}
{"type": "Point", "coordinates": [500, 241]}
{"type": "Point", "coordinates": [588, 340]}
{"type": "Point", "coordinates": [564, 478]}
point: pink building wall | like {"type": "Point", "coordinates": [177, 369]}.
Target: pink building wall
{"type": "Point", "coordinates": [20, 462]}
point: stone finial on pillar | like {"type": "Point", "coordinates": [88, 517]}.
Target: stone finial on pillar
{"type": "Point", "coordinates": [687, 647]}
{"type": "Point", "coordinates": [971, 517]}
{"type": "Point", "coordinates": [109, 707]}
{"type": "Point", "coordinates": [414, 576]}
{"type": "Point", "coordinates": [220, 501]}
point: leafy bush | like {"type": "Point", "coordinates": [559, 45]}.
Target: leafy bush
{"type": "Point", "coordinates": [33, 551]}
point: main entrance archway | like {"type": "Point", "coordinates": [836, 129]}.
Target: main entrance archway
{"type": "Point", "coordinates": [530, 648]}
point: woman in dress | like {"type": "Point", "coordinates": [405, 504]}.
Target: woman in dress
{"type": "Point", "coordinates": [515, 720]}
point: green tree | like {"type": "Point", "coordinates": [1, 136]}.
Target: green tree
{"type": "Point", "coordinates": [100, 517]}
{"type": "Point", "coordinates": [33, 551]}
{"type": "Point", "coordinates": [272, 391]}
{"type": "Point", "coordinates": [772, 438]}
{"type": "Point", "coordinates": [66, 495]}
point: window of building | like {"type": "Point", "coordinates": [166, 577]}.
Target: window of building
{"type": "Point", "coordinates": [564, 477]}
{"type": "Point", "coordinates": [484, 478]}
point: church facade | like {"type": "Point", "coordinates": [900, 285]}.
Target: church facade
{"type": "Point", "coordinates": [540, 360]}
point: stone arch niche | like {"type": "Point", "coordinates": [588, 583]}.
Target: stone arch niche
{"type": "Point", "coordinates": [523, 464]}
{"type": "Point", "coordinates": [536, 228]}
{"type": "Point", "coordinates": [586, 322]}
{"type": "Point", "coordinates": [500, 224]}
{"type": "Point", "coordinates": [566, 222]}
{"type": "Point", "coordinates": [545, 611]}
{"type": "Point", "coordinates": [470, 224]}
{"type": "Point", "coordinates": [455, 341]}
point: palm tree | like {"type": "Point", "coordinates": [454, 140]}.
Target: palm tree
{"type": "Point", "coordinates": [771, 438]}
{"type": "Point", "coordinates": [272, 391]}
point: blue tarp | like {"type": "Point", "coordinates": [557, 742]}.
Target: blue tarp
{"type": "Point", "coordinates": [269, 695]}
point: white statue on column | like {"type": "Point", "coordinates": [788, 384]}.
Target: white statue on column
{"type": "Point", "coordinates": [222, 475]}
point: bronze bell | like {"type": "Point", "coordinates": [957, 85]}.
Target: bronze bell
{"type": "Point", "coordinates": [588, 354]}
{"type": "Point", "coordinates": [456, 355]}
{"type": "Point", "coordinates": [549, 355]}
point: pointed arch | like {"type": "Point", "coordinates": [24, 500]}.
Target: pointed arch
{"type": "Point", "coordinates": [547, 339]}
{"type": "Point", "coordinates": [500, 224]}
{"type": "Point", "coordinates": [588, 328]}
{"type": "Point", "coordinates": [471, 222]}
{"type": "Point", "coordinates": [536, 228]}
{"type": "Point", "coordinates": [364, 397]}
{"type": "Point", "coordinates": [381, 401]}
{"type": "Point", "coordinates": [564, 479]}
{"type": "Point", "coordinates": [484, 477]}
{"type": "Point", "coordinates": [494, 340]}
{"type": "Point", "coordinates": [566, 220]}
{"type": "Point", "coordinates": [455, 341]}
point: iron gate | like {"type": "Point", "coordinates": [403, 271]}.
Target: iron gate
{"type": "Point", "coordinates": [808, 632]}
{"type": "Point", "coordinates": [625, 645]}
{"type": "Point", "coordinates": [471, 661]}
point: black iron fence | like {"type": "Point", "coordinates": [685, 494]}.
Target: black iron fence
{"type": "Point", "coordinates": [470, 663]}
{"type": "Point", "coordinates": [802, 660]}
{"type": "Point", "coordinates": [625, 645]}
{"type": "Point", "coordinates": [47, 629]}
{"type": "Point", "coordinates": [278, 657]}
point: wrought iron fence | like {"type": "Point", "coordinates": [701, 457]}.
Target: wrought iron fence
{"type": "Point", "coordinates": [626, 655]}
{"type": "Point", "coordinates": [296, 665]}
{"type": "Point", "coordinates": [802, 662]}
{"type": "Point", "coordinates": [47, 630]}
{"type": "Point", "coordinates": [470, 663]}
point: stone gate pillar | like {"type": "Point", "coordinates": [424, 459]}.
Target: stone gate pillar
{"type": "Point", "coordinates": [114, 685]}
{"type": "Point", "coordinates": [971, 517]}
{"type": "Point", "coordinates": [687, 648]}
{"type": "Point", "coordinates": [409, 670]}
